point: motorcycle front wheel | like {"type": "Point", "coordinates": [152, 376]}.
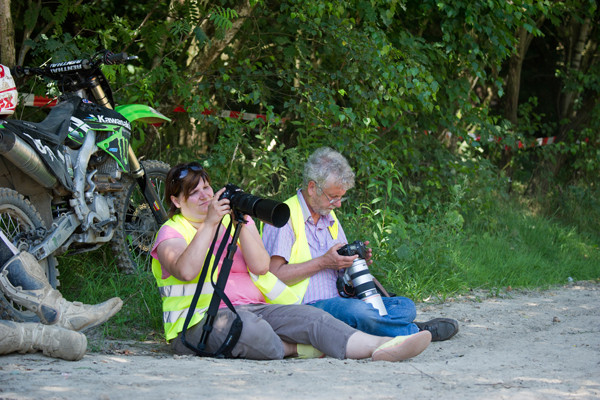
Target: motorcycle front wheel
{"type": "Point", "coordinates": [137, 227]}
{"type": "Point", "coordinates": [18, 217]}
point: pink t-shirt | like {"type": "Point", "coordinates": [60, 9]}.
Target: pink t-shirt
{"type": "Point", "coordinates": [239, 287]}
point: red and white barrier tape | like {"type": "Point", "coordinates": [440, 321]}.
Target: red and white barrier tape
{"type": "Point", "coordinates": [234, 114]}
{"type": "Point", "coordinates": [535, 143]}
{"type": "Point", "coordinates": [32, 100]}
{"type": "Point", "coordinates": [543, 141]}
{"type": "Point", "coordinates": [40, 101]}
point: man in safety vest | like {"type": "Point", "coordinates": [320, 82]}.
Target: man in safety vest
{"type": "Point", "coordinates": [304, 255]}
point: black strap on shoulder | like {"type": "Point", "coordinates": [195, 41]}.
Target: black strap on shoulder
{"type": "Point", "coordinates": [235, 330]}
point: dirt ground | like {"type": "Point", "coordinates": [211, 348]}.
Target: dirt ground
{"type": "Point", "coordinates": [518, 345]}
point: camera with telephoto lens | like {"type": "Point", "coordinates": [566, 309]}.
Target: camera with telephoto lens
{"type": "Point", "coordinates": [357, 279]}
{"type": "Point", "coordinates": [270, 211]}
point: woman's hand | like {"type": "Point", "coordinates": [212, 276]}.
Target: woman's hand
{"type": "Point", "coordinates": [257, 258]}
{"type": "Point", "coordinates": [217, 208]}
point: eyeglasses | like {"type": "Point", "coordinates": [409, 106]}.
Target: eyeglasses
{"type": "Point", "coordinates": [185, 169]}
{"type": "Point", "coordinates": [332, 200]}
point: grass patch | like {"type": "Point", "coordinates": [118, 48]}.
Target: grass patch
{"type": "Point", "coordinates": [533, 252]}
{"type": "Point", "coordinates": [93, 277]}
{"type": "Point", "coordinates": [531, 243]}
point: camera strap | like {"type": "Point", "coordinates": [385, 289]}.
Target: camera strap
{"type": "Point", "coordinates": [382, 291]}
{"type": "Point", "coordinates": [224, 351]}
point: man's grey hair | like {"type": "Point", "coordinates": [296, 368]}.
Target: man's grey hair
{"type": "Point", "coordinates": [326, 166]}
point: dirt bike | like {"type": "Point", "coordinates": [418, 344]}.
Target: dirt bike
{"type": "Point", "coordinates": [73, 182]}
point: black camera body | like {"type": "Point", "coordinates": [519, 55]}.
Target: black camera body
{"type": "Point", "coordinates": [356, 247]}
{"type": "Point", "coordinates": [270, 211]}
{"type": "Point", "coordinates": [357, 279]}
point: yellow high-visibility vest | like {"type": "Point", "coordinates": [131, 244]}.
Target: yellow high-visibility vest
{"type": "Point", "coordinates": [177, 295]}
{"type": "Point", "coordinates": [300, 249]}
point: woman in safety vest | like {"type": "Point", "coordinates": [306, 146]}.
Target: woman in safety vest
{"type": "Point", "coordinates": [270, 331]}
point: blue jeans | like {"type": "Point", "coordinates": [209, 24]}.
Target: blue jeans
{"type": "Point", "coordinates": [365, 318]}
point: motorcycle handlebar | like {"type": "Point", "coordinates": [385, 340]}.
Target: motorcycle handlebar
{"type": "Point", "coordinates": [68, 67]}
{"type": "Point", "coordinates": [111, 58]}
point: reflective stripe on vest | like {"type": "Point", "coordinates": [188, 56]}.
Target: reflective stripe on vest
{"type": "Point", "coordinates": [177, 295]}
{"type": "Point", "coordinates": [172, 317]}
{"type": "Point", "coordinates": [183, 290]}
{"type": "Point", "coordinates": [300, 250]}
{"type": "Point", "coordinates": [274, 290]}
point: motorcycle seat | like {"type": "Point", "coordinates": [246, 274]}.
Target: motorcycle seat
{"type": "Point", "coordinates": [55, 127]}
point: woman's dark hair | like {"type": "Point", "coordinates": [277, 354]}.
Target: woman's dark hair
{"type": "Point", "coordinates": [183, 178]}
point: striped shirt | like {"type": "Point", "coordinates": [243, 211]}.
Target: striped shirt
{"type": "Point", "coordinates": [279, 242]}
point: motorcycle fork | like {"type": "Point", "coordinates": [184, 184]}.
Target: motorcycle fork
{"type": "Point", "coordinates": [136, 168]}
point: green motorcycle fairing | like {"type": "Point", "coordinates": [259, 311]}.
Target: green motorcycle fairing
{"type": "Point", "coordinates": [116, 124]}
{"type": "Point", "coordinates": [117, 145]}
{"type": "Point", "coordinates": [142, 113]}
{"type": "Point", "coordinates": [113, 130]}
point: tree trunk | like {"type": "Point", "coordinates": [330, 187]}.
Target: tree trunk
{"type": "Point", "coordinates": [7, 35]}
{"type": "Point", "coordinates": [201, 60]}
{"type": "Point", "coordinates": [568, 99]}
{"type": "Point", "coordinates": [513, 87]}
{"type": "Point", "coordinates": [513, 80]}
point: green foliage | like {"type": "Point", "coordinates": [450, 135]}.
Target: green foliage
{"type": "Point", "coordinates": [577, 206]}
{"type": "Point", "coordinates": [368, 75]}
{"type": "Point", "coordinates": [222, 17]}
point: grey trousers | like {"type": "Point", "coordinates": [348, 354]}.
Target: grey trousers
{"type": "Point", "coordinates": [266, 325]}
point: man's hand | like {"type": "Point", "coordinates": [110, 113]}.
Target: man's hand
{"type": "Point", "coordinates": [332, 260]}
{"type": "Point", "coordinates": [291, 274]}
{"type": "Point", "coordinates": [368, 254]}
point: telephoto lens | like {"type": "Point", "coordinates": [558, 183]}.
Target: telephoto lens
{"type": "Point", "coordinates": [359, 276]}
{"type": "Point", "coordinates": [269, 211]}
